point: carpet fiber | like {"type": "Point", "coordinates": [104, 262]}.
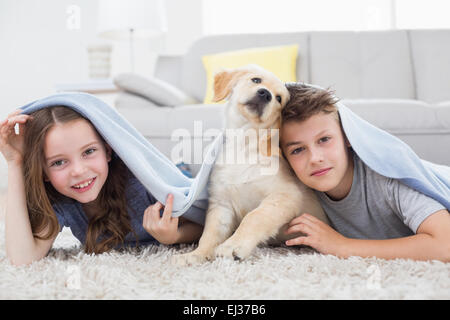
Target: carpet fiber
{"type": "Point", "coordinates": [271, 273]}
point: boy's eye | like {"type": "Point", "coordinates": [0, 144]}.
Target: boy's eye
{"type": "Point", "coordinates": [279, 99]}
{"type": "Point", "coordinates": [256, 80]}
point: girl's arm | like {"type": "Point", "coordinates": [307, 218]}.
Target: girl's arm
{"type": "Point", "coordinates": [188, 231]}
{"type": "Point", "coordinates": [431, 242]}
{"type": "Point", "coordinates": [21, 246]}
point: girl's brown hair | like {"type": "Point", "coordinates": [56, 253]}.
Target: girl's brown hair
{"type": "Point", "coordinates": [111, 223]}
{"type": "Point", "coordinates": [306, 101]}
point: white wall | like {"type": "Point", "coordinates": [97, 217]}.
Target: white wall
{"type": "Point", "coordinates": [37, 49]}
{"type": "Point", "coordinates": [42, 44]}
{"type": "Point", "coordinates": [185, 24]}
{"type": "Point", "coordinates": [295, 15]}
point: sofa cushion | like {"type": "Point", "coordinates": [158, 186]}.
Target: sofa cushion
{"type": "Point", "coordinates": [396, 116]}
{"type": "Point", "coordinates": [280, 60]}
{"type": "Point", "coordinates": [399, 116]}
{"type": "Point", "coordinates": [125, 100]}
{"type": "Point", "coordinates": [197, 118]}
{"type": "Point", "coordinates": [193, 75]}
{"type": "Point", "coordinates": [443, 113]}
{"type": "Point", "coordinates": [157, 122]}
{"type": "Point", "coordinates": [363, 64]}
{"type": "Point", "coordinates": [431, 58]}
{"type": "Point", "coordinates": [148, 119]}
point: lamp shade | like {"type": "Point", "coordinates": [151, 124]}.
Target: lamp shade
{"type": "Point", "coordinates": [147, 18]}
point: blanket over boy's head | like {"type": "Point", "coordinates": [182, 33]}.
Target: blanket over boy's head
{"type": "Point", "coordinates": [391, 157]}
{"type": "Point", "coordinates": [154, 170]}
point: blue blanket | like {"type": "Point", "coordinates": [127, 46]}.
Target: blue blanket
{"type": "Point", "coordinates": [391, 157]}
{"type": "Point", "coordinates": [154, 170]}
{"type": "Point", "coordinates": [381, 151]}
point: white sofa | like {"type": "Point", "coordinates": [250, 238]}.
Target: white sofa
{"type": "Point", "coordinates": [397, 80]}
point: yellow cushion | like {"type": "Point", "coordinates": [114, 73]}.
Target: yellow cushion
{"type": "Point", "coordinates": [280, 60]}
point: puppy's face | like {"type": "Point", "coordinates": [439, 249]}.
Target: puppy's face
{"type": "Point", "coordinates": [257, 94]}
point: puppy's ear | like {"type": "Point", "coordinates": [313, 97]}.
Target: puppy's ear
{"type": "Point", "coordinates": [224, 82]}
{"type": "Point", "coordinates": [269, 143]}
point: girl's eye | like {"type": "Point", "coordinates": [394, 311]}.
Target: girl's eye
{"type": "Point", "coordinates": [297, 151]}
{"type": "Point", "coordinates": [57, 163]}
{"type": "Point", "coordinates": [279, 99]}
{"type": "Point", "coordinates": [89, 151]}
{"type": "Point", "coordinates": [324, 139]}
{"type": "Point", "coordinates": [256, 80]}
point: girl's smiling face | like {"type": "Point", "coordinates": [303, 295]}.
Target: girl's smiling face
{"type": "Point", "coordinates": [318, 152]}
{"type": "Point", "coordinates": [76, 160]}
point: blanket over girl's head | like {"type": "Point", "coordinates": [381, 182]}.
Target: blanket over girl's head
{"type": "Point", "coordinates": [154, 170]}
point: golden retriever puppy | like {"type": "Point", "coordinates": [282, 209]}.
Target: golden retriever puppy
{"type": "Point", "coordinates": [251, 202]}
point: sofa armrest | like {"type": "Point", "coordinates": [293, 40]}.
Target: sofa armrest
{"type": "Point", "coordinates": [156, 90]}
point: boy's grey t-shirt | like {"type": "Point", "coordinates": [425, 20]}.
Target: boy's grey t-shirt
{"type": "Point", "coordinates": [377, 207]}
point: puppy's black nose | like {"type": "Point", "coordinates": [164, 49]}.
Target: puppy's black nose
{"type": "Point", "coordinates": [264, 94]}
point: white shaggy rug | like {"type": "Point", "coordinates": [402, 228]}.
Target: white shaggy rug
{"type": "Point", "coordinates": [271, 273]}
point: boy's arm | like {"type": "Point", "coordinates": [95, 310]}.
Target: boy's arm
{"type": "Point", "coordinates": [431, 242]}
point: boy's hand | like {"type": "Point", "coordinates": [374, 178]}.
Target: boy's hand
{"type": "Point", "coordinates": [319, 235]}
{"type": "Point", "coordinates": [163, 228]}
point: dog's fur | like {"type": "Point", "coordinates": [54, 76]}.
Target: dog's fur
{"type": "Point", "coordinates": [256, 207]}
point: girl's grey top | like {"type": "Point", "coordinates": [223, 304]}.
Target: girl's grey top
{"type": "Point", "coordinates": [70, 214]}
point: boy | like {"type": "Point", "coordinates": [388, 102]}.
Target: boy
{"type": "Point", "coordinates": [372, 215]}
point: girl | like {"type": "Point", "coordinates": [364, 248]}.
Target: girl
{"type": "Point", "coordinates": [62, 173]}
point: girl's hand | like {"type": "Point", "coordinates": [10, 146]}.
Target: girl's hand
{"type": "Point", "coordinates": [11, 144]}
{"type": "Point", "coordinates": [163, 228]}
{"type": "Point", "coordinates": [319, 235]}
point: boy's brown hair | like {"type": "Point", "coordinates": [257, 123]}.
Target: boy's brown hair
{"type": "Point", "coordinates": [306, 101]}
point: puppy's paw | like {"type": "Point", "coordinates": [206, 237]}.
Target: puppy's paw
{"type": "Point", "coordinates": [189, 259]}
{"type": "Point", "coordinates": [225, 250]}
{"type": "Point", "coordinates": [230, 250]}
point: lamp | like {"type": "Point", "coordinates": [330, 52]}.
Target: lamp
{"type": "Point", "coordinates": [131, 19]}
